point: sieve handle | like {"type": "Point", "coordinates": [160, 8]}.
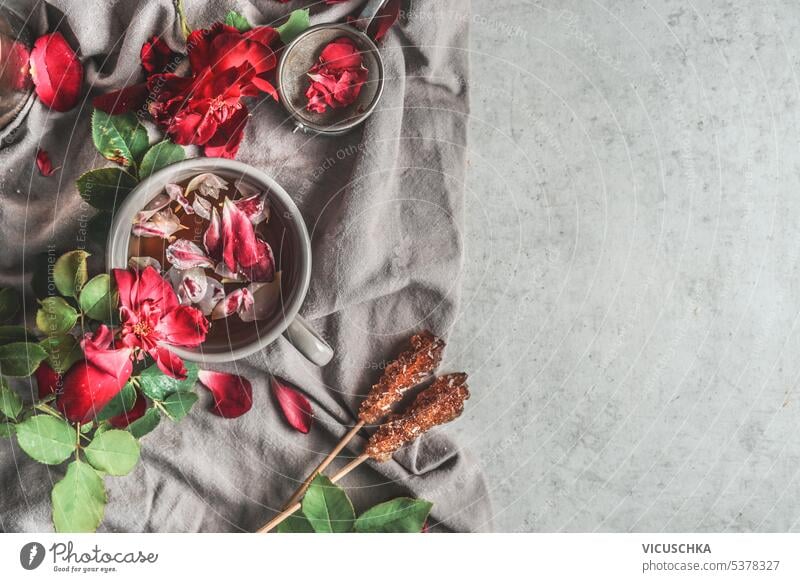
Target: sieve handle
{"type": "Point", "coordinates": [368, 14]}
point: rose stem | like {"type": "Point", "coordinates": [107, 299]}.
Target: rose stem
{"type": "Point", "coordinates": [324, 464]}
{"type": "Point", "coordinates": [290, 510]}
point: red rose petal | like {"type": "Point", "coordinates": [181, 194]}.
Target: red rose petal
{"type": "Point", "coordinates": [44, 164]}
{"type": "Point", "coordinates": [183, 254]}
{"type": "Point", "coordinates": [255, 207]}
{"type": "Point", "coordinates": [240, 299]}
{"type": "Point", "coordinates": [123, 100]}
{"type": "Point", "coordinates": [296, 407]}
{"type": "Point", "coordinates": [386, 17]}
{"type": "Point", "coordinates": [156, 55]}
{"type": "Point", "coordinates": [240, 245]}
{"type": "Point", "coordinates": [212, 239]}
{"type": "Point", "coordinates": [56, 72]}
{"type": "Point", "coordinates": [47, 380]}
{"type": "Point", "coordinates": [341, 54]}
{"type": "Point", "coordinates": [225, 141]}
{"type": "Point", "coordinates": [264, 269]}
{"type": "Point", "coordinates": [233, 395]}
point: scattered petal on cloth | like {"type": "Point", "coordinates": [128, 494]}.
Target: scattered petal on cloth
{"type": "Point", "coordinates": [295, 407]}
{"type": "Point", "coordinates": [233, 395]}
{"type": "Point", "coordinates": [44, 164]}
{"type": "Point", "coordinates": [56, 71]}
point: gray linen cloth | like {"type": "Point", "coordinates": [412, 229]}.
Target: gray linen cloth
{"type": "Point", "coordinates": [384, 208]}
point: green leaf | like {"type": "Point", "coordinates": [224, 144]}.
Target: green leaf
{"type": "Point", "coordinates": [10, 402]}
{"type": "Point", "coordinates": [12, 333]}
{"type": "Point", "coordinates": [327, 507]}
{"type": "Point", "coordinates": [70, 273]}
{"type": "Point", "coordinates": [99, 227]}
{"type": "Point", "coordinates": [20, 359]}
{"type": "Point", "coordinates": [98, 299]}
{"type": "Point", "coordinates": [62, 352]}
{"type": "Point", "coordinates": [119, 138]}
{"type": "Point", "coordinates": [122, 402]}
{"type": "Point", "coordinates": [295, 523]}
{"type": "Point", "coordinates": [6, 429]}
{"type": "Point", "coordinates": [9, 303]}
{"type": "Point", "coordinates": [105, 188]}
{"type": "Point", "coordinates": [115, 452]}
{"type": "Point", "coordinates": [46, 439]}
{"type": "Point", "coordinates": [401, 515]}
{"type": "Point", "coordinates": [159, 156]}
{"type": "Point", "coordinates": [178, 404]}
{"type": "Point", "coordinates": [55, 316]}
{"type": "Point", "coordinates": [237, 21]}
{"type": "Point", "coordinates": [79, 499]}
{"type": "Point", "coordinates": [146, 424]}
{"type": "Point", "coordinates": [155, 384]}
{"type": "Point", "coordinates": [298, 21]}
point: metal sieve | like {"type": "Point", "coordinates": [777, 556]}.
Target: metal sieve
{"type": "Point", "coordinates": [303, 53]}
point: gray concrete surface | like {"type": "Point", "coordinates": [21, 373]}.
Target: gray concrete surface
{"type": "Point", "coordinates": [630, 301]}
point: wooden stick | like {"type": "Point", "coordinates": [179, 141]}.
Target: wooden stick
{"type": "Point", "coordinates": [324, 464]}
{"type": "Point", "coordinates": [283, 515]}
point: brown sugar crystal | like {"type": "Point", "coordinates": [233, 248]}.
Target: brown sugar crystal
{"type": "Point", "coordinates": [438, 404]}
{"type": "Point", "coordinates": [409, 369]}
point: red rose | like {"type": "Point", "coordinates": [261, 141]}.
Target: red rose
{"type": "Point", "coordinates": [152, 319]}
{"type": "Point", "coordinates": [206, 109]}
{"type": "Point", "coordinates": [91, 384]}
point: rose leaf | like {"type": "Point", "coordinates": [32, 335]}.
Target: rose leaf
{"type": "Point", "coordinates": [46, 439]}
{"type": "Point", "coordinates": [20, 359]}
{"type": "Point", "coordinates": [55, 316]}
{"type": "Point", "coordinates": [327, 507]}
{"type": "Point", "coordinates": [115, 452]}
{"type": "Point", "coordinates": [79, 499]}
{"type": "Point", "coordinates": [159, 156]}
{"type": "Point", "coordinates": [70, 273]}
{"type": "Point", "coordinates": [105, 188]}
{"type": "Point", "coordinates": [98, 300]}
{"type": "Point", "coordinates": [401, 515]}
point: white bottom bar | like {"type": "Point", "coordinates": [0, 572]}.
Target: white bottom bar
{"type": "Point", "coordinates": [353, 557]}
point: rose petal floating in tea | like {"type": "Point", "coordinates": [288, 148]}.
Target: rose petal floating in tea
{"type": "Point", "coordinates": [215, 293]}
{"type": "Point", "coordinates": [233, 395]}
{"type": "Point", "coordinates": [236, 301]}
{"type": "Point", "coordinates": [141, 263]}
{"type": "Point", "coordinates": [264, 269]}
{"type": "Point", "coordinates": [266, 297]}
{"type": "Point", "coordinates": [255, 207]}
{"type": "Point", "coordinates": [207, 185]}
{"type": "Point", "coordinates": [212, 238]}
{"type": "Point", "coordinates": [190, 285]}
{"type": "Point", "coordinates": [162, 224]}
{"type": "Point", "coordinates": [184, 254]}
{"type": "Point", "coordinates": [175, 193]}
{"type": "Point", "coordinates": [295, 407]}
{"type": "Point", "coordinates": [202, 206]}
{"type": "Point", "coordinates": [239, 243]}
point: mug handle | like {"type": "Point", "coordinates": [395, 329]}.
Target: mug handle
{"type": "Point", "coordinates": [308, 342]}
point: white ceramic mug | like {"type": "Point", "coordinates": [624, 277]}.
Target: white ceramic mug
{"type": "Point", "coordinates": [286, 321]}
